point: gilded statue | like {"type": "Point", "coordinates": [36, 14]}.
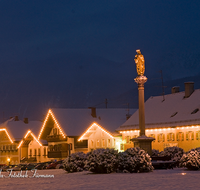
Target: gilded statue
{"type": "Point", "coordinates": [139, 60]}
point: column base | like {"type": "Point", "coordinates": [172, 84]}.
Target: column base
{"type": "Point", "coordinates": [144, 142]}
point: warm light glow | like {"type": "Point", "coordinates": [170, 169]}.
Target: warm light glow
{"type": "Point", "coordinates": [7, 134]}
{"type": "Point", "coordinates": [51, 113]}
{"type": "Point", "coordinates": [164, 129]}
{"type": "Point", "coordinates": [183, 173]}
{"type": "Point", "coordinates": [8, 159]}
{"type": "Point", "coordinates": [29, 132]}
{"type": "Point", "coordinates": [88, 130]}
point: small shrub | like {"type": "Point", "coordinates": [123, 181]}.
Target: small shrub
{"type": "Point", "coordinates": [174, 152]}
{"type": "Point", "coordinates": [191, 160]}
{"type": "Point", "coordinates": [75, 162]}
{"type": "Point", "coordinates": [102, 161]}
{"type": "Point", "coordinates": [134, 160]}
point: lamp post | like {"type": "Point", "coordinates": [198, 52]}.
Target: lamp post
{"type": "Point", "coordinates": [142, 141]}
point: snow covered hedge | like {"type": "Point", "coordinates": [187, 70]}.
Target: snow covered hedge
{"type": "Point", "coordinates": [102, 161]}
{"type": "Point", "coordinates": [109, 160]}
{"type": "Point", "coordinates": [134, 160]}
{"type": "Point", "coordinates": [75, 162]}
{"type": "Point", "coordinates": [191, 160]}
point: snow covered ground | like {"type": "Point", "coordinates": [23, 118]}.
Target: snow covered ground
{"type": "Point", "coordinates": [158, 179]}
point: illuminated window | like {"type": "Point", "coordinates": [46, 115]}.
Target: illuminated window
{"type": "Point", "coordinates": [70, 145]}
{"type": "Point", "coordinates": [121, 146]}
{"type": "Point", "coordinates": [4, 147]}
{"type": "Point", "coordinates": [190, 135]}
{"type": "Point", "coordinates": [102, 134]}
{"type": "Point", "coordinates": [92, 143]}
{"type": "Point", "coordinates": [153, 136]}
{"type": "Point", "coordinates": [109, 143]}
{"type": "Point", "coordinates": [114, 142]}
{"type": "Point", "coordinates": [30, 152]}
{"type": "Point", "coordinates": [198, 135]}
{"type": "Point", "coordinates": [103, 142]}
{"type": "Point", "coordinates": [170, 137]}
{"type": "Point", "coordinates": [180, 136]}
{"type": "Point", "coordinates": [38, 151]}
{"type": "Point", "coordinates": [35, 150]}
{"type": "Point", "coordinates": [161, 137]}
{"type": "Point", "coordinates": [45, 151]}
{"type": "Point", "coordinates": [55, 131]}
{"type": "Point", "coordinates": [127, 139]}
{"type": "Point", "coordinates": [98, 143]}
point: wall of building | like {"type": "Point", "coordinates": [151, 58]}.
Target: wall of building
{"type": "Point", "coordinates": [186, 137]}
{"type": "Point", "coordinates": [38, 152]}
{"type": "Point", "coordinates": [8, 150]}
{"type": "Point", "coordinates": [100, 139]}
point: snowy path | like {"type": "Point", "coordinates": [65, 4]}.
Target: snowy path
{"type": "Point", "coordinates": [158, 179]}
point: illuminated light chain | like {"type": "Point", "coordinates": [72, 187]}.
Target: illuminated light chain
{"type": "Point", "coordinates": [147, 130]}
{"type": "Point", "coordinates": [20, 144]}
{"type": "Point", "coordinates": [50, 112]}
{"type": "Point", "coordinates": [98, 127]}
{"type": "Point", "coordinates": [7, 134]}
{"type": "Point", "coordinates": [26, 136]}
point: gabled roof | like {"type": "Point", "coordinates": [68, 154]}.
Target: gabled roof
{"type": "Point", "coordinates": [29, 132]}
{"type": "Point", "coordinates": [92, 129]}
{"type": "Point", "coordinates": [18, 129]}
{"type": "Point", "coordinates": [175, 110]}
{"type": "Point", "coordinates": [73, 122]}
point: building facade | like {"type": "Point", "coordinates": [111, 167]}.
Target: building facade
{"type": "Point", "coordinates": [174, 121]}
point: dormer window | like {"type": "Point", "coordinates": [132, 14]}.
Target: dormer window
{"type": "Point", "coordinates": [195, 111]}
{"type": "Point", "coordinates": [174, 114]}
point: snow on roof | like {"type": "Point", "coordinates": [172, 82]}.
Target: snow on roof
{"type": "Point", "coordinates": [18, 129]}
{"type": "Point", "coordinates": [175, 110]}
{"type": "Point", "coordinates": [75, 121]}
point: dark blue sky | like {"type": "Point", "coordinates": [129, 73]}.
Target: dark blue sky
{"type": "Point", "coordinates": [53, 43]}
{"type": "Point", "coordinates": [38, 30]}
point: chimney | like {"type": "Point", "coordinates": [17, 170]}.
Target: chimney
{"type": "Point", "coordinates": [189, 89]}
{"type": "Point", "coordinates": [175, 89]}
{"type": "Point", "coordinates": [16, 118]}
{"type": "Point", "coordinates": [26, 120]}
{"type": "Point", "coordinates": [128, 116]}
{"type": "Point", "coordinates": [93, 111]}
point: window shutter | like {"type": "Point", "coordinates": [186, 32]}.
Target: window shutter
{"type": "Point", "coordinates": [182, 136]}
{"type": "Point", "coordinates": [168, 136]}
{"type": "Point", "coordinates": [173, 136]}
{"type": "Point", "coordinates": [158, 137]}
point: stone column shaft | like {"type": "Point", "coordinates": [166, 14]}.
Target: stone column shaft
{"type": "Point", "coordinates": [141, 108]}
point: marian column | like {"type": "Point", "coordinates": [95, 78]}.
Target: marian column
{"type": "Point", "coordinates": [142, 141]}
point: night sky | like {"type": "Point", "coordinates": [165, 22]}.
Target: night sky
{"type": "Point", "coordinates": [48, 43]}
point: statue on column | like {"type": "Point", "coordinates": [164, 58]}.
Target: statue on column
{"type": "Point", "coordinates": [139, 60]}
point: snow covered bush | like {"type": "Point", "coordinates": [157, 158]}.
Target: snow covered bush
{"type": "Point", "coordinates": [155, 152]}
{"type": "Point", "coordinates": [75, 162]}
{"type": "Point", "coordinates": [134, 160]}
{"type": "Point", "coordinates": [191, 160]}
{"type": "Point", "coordinates": [102, 160]}
{"type": "Point", "coordinates": [174, 152]}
